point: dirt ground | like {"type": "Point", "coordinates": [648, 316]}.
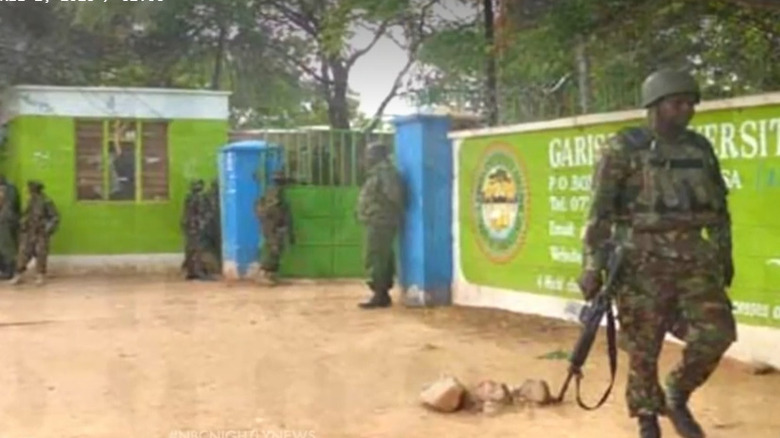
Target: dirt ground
{"type": "Point", "coordinates": [131, 358]}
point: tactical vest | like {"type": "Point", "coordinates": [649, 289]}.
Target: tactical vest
{"type": "Point", "coordinates": [674, 188]}
{"type": "Point", "coordinates": [270, 206]}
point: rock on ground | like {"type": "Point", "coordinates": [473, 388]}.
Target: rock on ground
{"type": "Point", "coordinates": [491, 391]}
{"type": "Point", "coordinates": [490, 397]}
{"type": "Point", "coordinates": [443, 395]}
{"type": "Point", "coordinates": [533, 391]}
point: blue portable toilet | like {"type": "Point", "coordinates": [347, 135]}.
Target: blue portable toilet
{"type": "Point", "coordinates": [245, 170]}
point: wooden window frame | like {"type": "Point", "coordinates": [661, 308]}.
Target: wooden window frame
{"type": "Point", "coordinates": [138, 161]}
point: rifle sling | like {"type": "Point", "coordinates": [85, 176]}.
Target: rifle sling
{"type": "Point", "coordinates": [612, 352]}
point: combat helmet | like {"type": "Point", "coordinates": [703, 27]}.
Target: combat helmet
{"type": "Point", "coordinates": [377, 149]}
{"type": "Point", "coordinates": [197, 185]}
{"type": "Point", "coordinates": [278, 176]}
{"type": "Point", "coordinates": [665, 83]}
{"type": "Point", "coordinates": [34, 184]}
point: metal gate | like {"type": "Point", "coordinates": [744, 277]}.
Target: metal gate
{"type": "Point", "coordinates": [327, 167]}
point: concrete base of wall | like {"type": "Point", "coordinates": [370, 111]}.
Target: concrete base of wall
{"type": "Point", "coordinates": [230, 271]}
{"type": "Point", "coordinates": [167, 265]}
{"type": "Point", "coordinates": [416, 297]}
{"type": "Point", "coordinates": [754, 344]}
{"type": "Point", "coordinates": [123, 264]}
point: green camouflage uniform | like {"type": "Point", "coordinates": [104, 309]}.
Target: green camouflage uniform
{"type": "Point", "coordinates": [379, 209]}
{"type": "Point", "coordinates": [9, 224]}
{"type": "Point", "coordinates": [39, 222]}
{"type": "Point", "coordinates": [213, 232]}
{"type": "Point", "coordinates": [276, 226]}
{"type": "Point", "coordinates": [660, 196]}
{"type": "Point", "coordinates": [11, 217]}
{"type": "Point", "coordinates": [193, 224]}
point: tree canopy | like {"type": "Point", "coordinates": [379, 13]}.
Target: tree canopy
{"type": "Point", "coordinates": [565, 57]}
{"type": "Point", "coordinates": [288, 63]}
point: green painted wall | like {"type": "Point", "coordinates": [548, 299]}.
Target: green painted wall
{"type": "Point", "coordinates": [534, 245]}
{"type": "Point", "coordinates": [43, 148]}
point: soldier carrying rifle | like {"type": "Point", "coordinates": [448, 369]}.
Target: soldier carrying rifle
{"type": "Point", "coordinates": [659, 190]}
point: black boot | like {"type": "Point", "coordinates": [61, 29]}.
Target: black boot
{"type": "Point", "coordinates": [378, 300]}
{"type": "Point", "coordinates": [648, 427]}
{"type": "Point", "coordinates": [680, 416]}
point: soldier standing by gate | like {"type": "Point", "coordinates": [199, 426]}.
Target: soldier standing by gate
{"type": "Point", "coordinates": [276, 224]}
{"type": "Point", "coordinates": [193, 225]}
{"type": "Point", "coordinates": [660, 186]}
{"type": "Point", "coordinates": [39, 222]}
{"type": "Point", "coordinates": [379, 209]}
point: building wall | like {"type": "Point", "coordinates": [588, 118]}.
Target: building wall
{"type": "Point", "coordinates": [45, 150]}
{"type": "Point", "coordinates": [42, 145]}
{"type": "Point", "coordinates": [525, 255]}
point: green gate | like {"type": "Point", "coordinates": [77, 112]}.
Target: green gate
{"type": "Point", "coordinates": [328, 168]}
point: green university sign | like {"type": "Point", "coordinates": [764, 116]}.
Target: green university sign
{"type": "Point", "coordinates": [523, 199]}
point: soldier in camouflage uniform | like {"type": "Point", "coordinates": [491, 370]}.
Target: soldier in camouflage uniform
{"type": "Point", "coordinates": [661, 188]}
{"type": "Point", "coordinates": [380, 207]}
{"type": "Point", "coordinates": [39, 222]}
{"type": "Point", "coordinates": [9, 220]}
{"type": "Point", "coordinates": [276, 225]}
{"type": "Point", "coordinates": [193, 225]}
{"type": "Point", "coordinates": [15, 204]}
{"type": "Point", "coordinates": [213, 232]}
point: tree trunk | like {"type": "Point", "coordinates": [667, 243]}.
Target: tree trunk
{"type": "Point", "coordinates": [216, 76]}
{"type": "Point", "coordinates": [490, 68]}
{"type": "Point", "coordinates": [583, 73]}
{"type": "Point", "coordinates": [338, 104]}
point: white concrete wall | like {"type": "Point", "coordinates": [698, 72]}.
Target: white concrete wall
{"type": "Point", "coordinates": [143, 103]}
{"type": "Point", "coordinates": [754, 343]}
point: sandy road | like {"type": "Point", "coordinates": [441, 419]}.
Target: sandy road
{"type": "Point", "coordinates": [130, 358]}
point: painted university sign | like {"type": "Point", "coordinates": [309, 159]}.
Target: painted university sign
{"type": "Point", "coordinates": [523, 199]}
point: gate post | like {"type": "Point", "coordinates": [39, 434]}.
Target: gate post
{"type": "Point", "coordinates": [424, 160]}
{"type": "Point", "coordinates": [245, 169]}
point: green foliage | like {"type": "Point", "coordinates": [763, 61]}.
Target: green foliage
{"type": "Point", "coordinates": [285, 61]}
{"type": "Point", "coordinates": [461, 50]}
{"type": "Point", "coordinates": [729, 45]}
{"type": "Point", "coordinates": [200, 44]}
{"type": "Point", "coordinates": [288, 62]}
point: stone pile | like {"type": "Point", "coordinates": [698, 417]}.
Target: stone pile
{"type": "Point", "coordinates": [448, 394]}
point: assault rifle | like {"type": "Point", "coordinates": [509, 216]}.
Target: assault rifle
{"type": "Point", "coordinates": [287, 180]}
{"type": "Point", "coordinates": [590, 317]}
{"type": "Point", "coordinates": [290, 180]}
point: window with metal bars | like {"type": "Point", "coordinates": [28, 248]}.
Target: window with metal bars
{"type": "Point", "coordinates": [122, 160]}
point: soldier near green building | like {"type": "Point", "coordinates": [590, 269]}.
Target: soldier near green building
{"type": "Point", "coordinates": [380, 209]}
{"type": "Point", "coordinates": [193, 224]}
{"type": "Point", "coordinates": [39, 222]}
{"type": "Point", "coordinates": [15, 203]}
{"type": "Point", "coordinates": [276, 226]}
{"type": "Point", "coordinates": [9, 225]}
{"type": "Point", "coordinates": [213, 230]}
{"type": "Point", "coordinates": [658, 191]}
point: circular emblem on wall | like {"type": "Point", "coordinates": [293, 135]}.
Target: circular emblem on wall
{"type": "Point", "coordinates": [500, 203]}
